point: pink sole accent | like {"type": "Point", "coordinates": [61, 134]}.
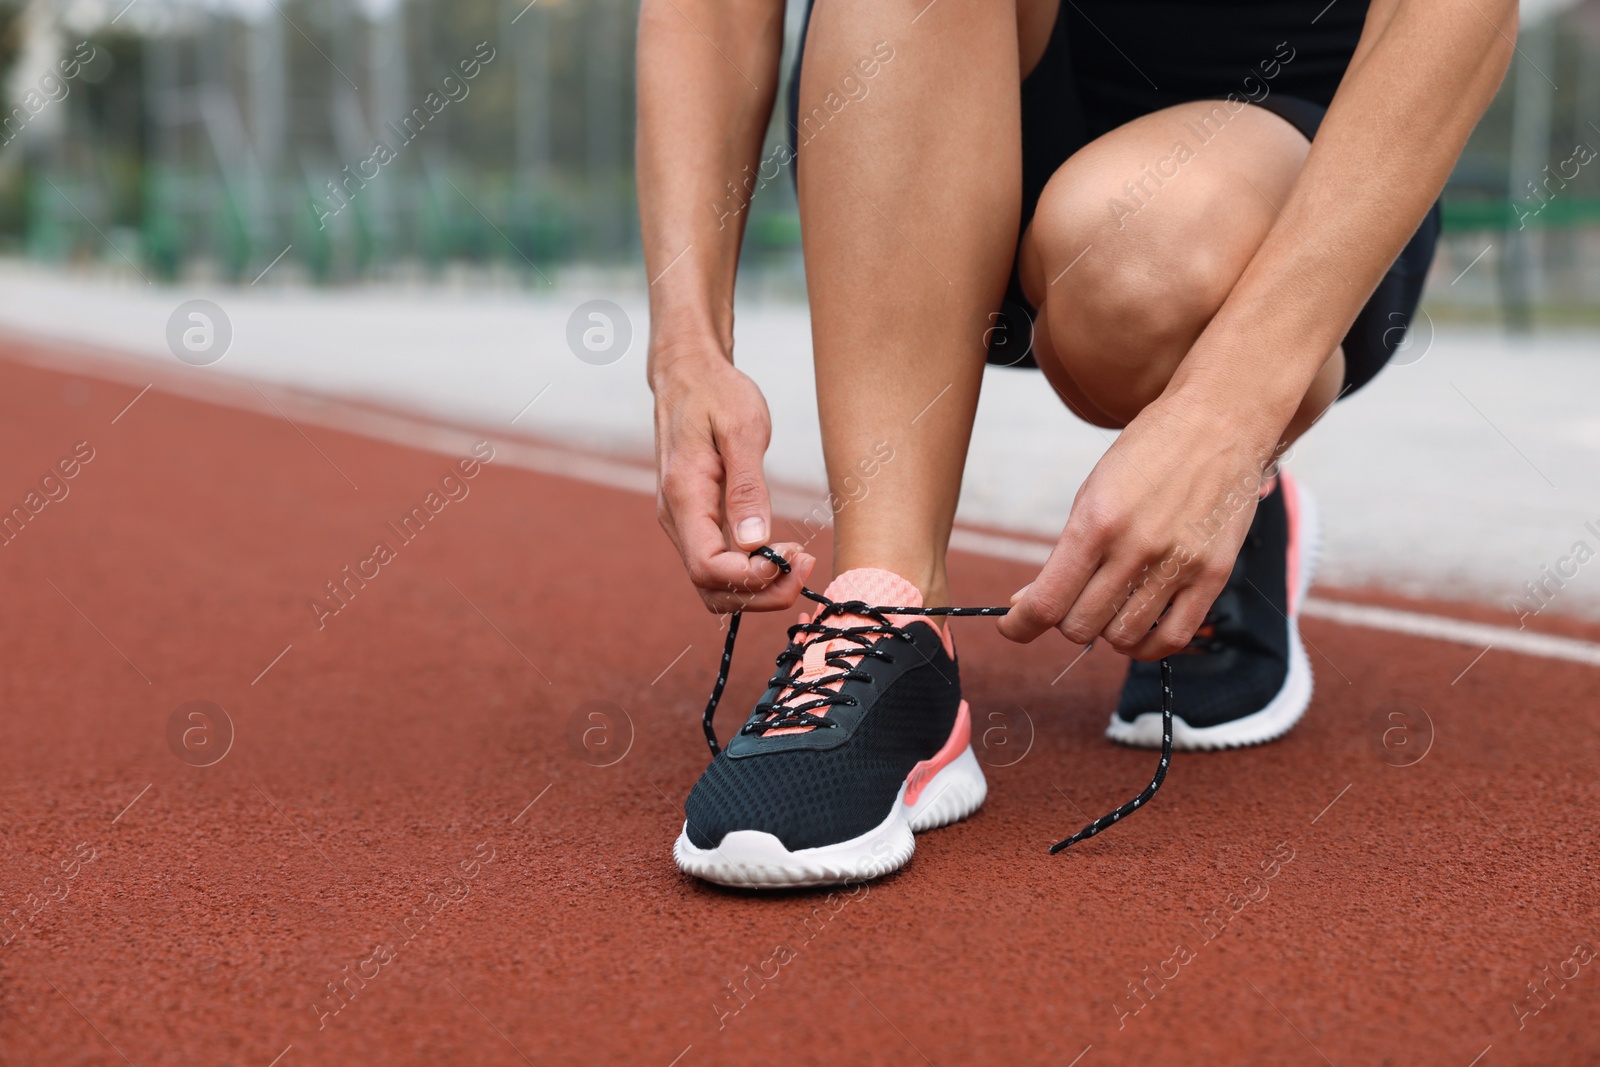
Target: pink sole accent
{"type": "Point", "coordinates": [1291, 506]}
{"type": "Point", "coordinates": [923, 773]}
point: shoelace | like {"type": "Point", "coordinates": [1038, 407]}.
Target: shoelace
{"type": "Point", "coordinates": [784, 712]}
{"type": "Point", "coordinates": [801, 715]}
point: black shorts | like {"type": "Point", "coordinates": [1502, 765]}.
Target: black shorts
{"type": "Point", "coordinates": [1110, 61]}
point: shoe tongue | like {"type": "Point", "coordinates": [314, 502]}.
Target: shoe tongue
{"type": "Point", "coordinates": [872, 586]}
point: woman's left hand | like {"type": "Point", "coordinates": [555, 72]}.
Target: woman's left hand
{"type": "Point", "coordinates": [1158, 521]}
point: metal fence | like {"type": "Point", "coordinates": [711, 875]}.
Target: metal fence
{"type": "Point", "coordinates": [371, 138]}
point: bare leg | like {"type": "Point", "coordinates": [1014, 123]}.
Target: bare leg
{"type": "Point", "coordinates": [1157, 260]}
{"type": "Point", "coordinates": [909, 203]}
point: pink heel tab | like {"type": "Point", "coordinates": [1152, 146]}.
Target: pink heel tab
{"type": "Point", "coordinates": [946, 636]}
{"type": "Point", "coordinates": [923, 773]}
{"type": "Point", "coordinates": [1291, 508]}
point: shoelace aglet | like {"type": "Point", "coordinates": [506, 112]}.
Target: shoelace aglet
{"type": "Point", "coordinates": [1139, 801]}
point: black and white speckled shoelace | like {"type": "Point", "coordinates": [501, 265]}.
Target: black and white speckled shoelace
{"type": "Point", "coordinates": [801, 715]}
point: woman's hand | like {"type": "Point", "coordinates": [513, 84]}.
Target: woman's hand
{"type": "Point", "coordinates": [1158, 521]}
{"type": "Point", "coordinates": [712, 430]}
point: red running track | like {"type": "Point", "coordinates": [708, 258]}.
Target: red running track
{"type": "Point", "coordinates": [407, 811]}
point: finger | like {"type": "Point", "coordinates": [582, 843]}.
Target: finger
{"type": "Point", "coordinates": [731, 580]}
{"type": "Point", "coordinates": [1184, 616]}
{"type": "Point", "coordinates": [780, 589]}
{"type": "Point", "coordinates": [692, 496]}
{"type": "Point", "coordinates": [744, 485]}
{"type": "Point", "coordinates": [1038, 606]}
{"type": "Point", "coordinates": [780, 595]}
{"type": "Point", "coordinates": [1096, 606]}
{"type": "Point", "coordinates": [1153, 588]}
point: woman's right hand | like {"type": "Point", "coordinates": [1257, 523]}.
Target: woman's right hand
{"type": "Point", "coordinates": [712, 430]}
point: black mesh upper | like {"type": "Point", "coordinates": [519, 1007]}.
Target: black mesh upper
{"type": "Point", "coordinates": [808, 797]}
{"type": "Point", "coordinates": [1243, 665]}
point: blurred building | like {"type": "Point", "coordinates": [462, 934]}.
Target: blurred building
{"type": "Point", "coordinates": [371, 135]}
{"type": "Point", "coordinates": [351, 139]}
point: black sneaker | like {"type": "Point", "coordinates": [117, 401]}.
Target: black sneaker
{"type": "Point", "coordinates": [860, 740]}
{"type": "Point", "coordinates": [1244, 678]}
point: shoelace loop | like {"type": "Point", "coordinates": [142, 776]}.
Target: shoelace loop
{"type": "Point", "coordinates": [802, 715]}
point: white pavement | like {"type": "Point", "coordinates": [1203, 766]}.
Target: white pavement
{"type": "Point", "coordinates": [1460, 475]}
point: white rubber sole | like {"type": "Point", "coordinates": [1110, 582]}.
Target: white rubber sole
{"type": "Point", "coordinates": [754, 859]}
{"type": "Point", "coordinates": [1285, 708]}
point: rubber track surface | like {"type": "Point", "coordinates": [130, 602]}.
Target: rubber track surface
{"type": "Point", "coordinates": [1409, 908]}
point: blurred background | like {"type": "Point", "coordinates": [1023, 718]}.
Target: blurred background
{"type": "Point", "coordinates": [203, 138]}
{"type": "Point", "coordinates": [421, 203]}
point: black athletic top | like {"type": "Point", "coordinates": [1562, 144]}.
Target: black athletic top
{"type": "Point", "coordinates": [1132, 57]}
{"type": "Point", "coordinates": [1110, 61]}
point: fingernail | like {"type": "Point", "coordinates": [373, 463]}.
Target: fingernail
{"type": "Point", "coordinates": [751, 531]}
{"type": "Point", "coordinates": [1019, 593]}
{"type": "Point", "coordinates": [805, 569]}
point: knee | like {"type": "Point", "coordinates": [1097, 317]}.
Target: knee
{"type": "Point", "coordinates": [1134, 261]}
{"type": "Point", "coordinates": [1126, 313]}
{"type": "Point", "coordinates": [1144, 299]}
{"type": "Point", "coordinates": [1128, 291]}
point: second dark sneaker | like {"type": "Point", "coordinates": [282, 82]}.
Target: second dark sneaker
{"type": "Point", "coordinates": [1245, 677]}
{"type": "Point", "coordinates": [861, 740]}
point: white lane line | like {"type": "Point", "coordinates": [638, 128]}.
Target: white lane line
{"type": "Point", "coordinates": [1460, 631]}
{"type": "Point", "coordinates": [1367, 616]}
{"type": "Point", "coordinates": [409, 431]}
